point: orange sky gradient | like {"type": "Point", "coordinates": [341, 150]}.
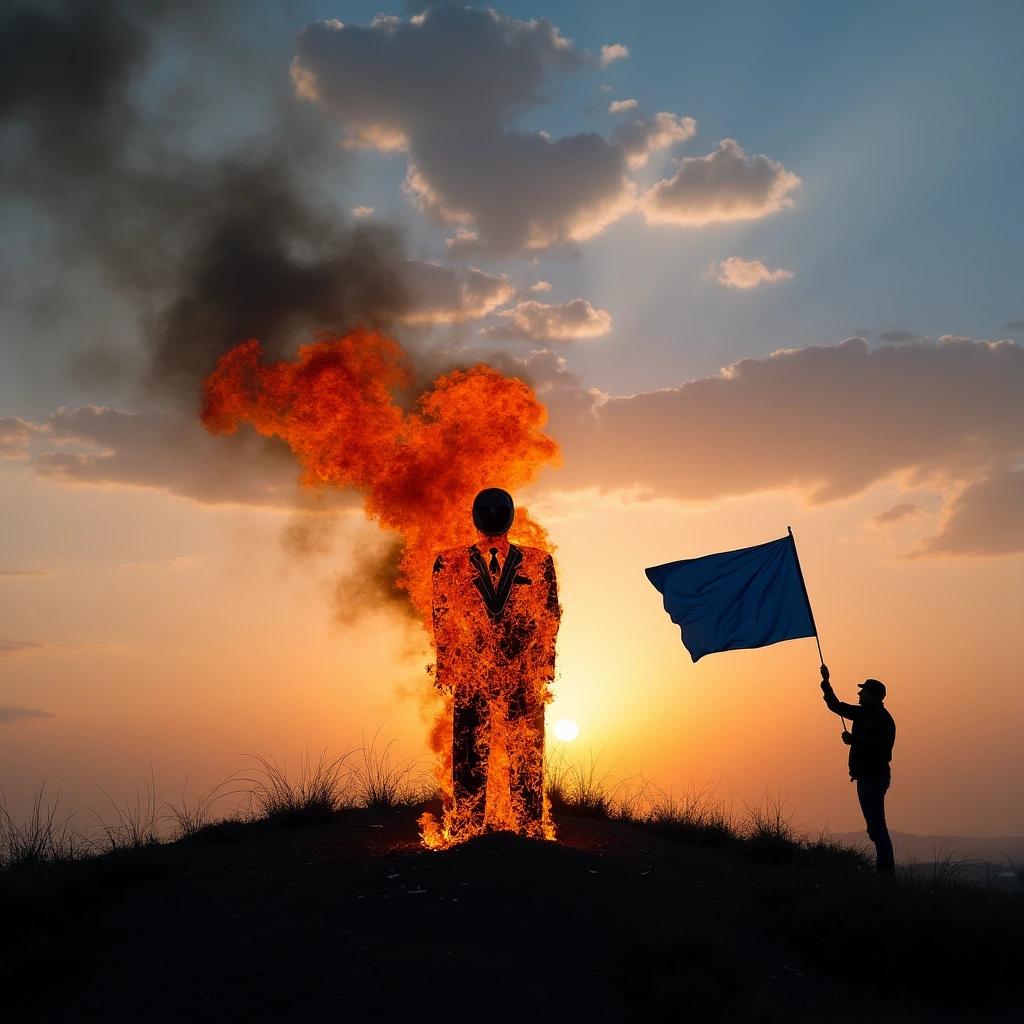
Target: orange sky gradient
{"type": "Point", "coordinates": [187, 636]}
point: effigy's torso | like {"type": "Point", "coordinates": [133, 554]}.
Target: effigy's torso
{"type": "Point", "coordinates": [495, 626]}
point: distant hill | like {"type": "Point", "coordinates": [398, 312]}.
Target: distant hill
{"type": "Point", "coordinates": [927, 849]}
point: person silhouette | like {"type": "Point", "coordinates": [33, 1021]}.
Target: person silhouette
{"type": "Point", "coordinates": [870, 739]}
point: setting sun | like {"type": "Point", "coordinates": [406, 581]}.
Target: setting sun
{"type": "Point", "coordinates": [566, 730]}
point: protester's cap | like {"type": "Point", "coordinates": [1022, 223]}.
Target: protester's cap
{"type": "Point", "coordinates": [874, 686]}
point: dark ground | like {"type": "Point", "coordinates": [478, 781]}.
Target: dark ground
{"type": "Point", "coordinates": [354, 919]}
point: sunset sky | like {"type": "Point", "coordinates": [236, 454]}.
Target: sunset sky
{"type": "Point", "coordinates": [761, 262]}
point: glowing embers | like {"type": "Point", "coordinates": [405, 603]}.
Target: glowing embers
{"type": "Point", "coordinates": [418, 472]}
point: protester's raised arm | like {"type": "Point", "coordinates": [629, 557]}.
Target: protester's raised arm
{"type": "Point", "coordinates": [832, 702]}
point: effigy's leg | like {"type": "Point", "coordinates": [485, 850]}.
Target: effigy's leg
{"type": "Point", "coordinates": [526, 751]}
{"type": "Point", "coordinates": [469, 765]}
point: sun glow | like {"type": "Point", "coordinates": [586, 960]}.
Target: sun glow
{"type": "Point", "coordinates": [566, 730]}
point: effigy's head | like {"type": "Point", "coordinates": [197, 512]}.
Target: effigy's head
{"type": "Point", "coordinates": [493, 512]}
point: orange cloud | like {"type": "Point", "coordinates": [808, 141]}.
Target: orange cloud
{"type": "Point", "coordinates": [736, 272]}
{"type": "Point", "coordinates": [986, 518]}
{"type": "Point", "coordinates": [827, 421]}
{"type": "Point", "coordinates": [896, 514]}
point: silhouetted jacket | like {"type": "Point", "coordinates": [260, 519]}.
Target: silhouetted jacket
{"type": "Point", "coordinates": [874, 733]}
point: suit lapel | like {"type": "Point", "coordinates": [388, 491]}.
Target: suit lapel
{"type": "Point", "coordinates": [495, 600]}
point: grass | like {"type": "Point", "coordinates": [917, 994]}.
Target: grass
{"type": "Point", "coordinates": [697, 816]}
{"type": "Point", "coordinates": [188, 820]}
{"type": "Point", "coordinates": [43, 839]}
{"type": "Point", "coordinates": [132, 827]}
{"type": "Point", "coordinates": [586, 787]}
{"type": "Point", "coordinates": [318, 792]}
{"type": "Point", "coordinates": [383, 783]}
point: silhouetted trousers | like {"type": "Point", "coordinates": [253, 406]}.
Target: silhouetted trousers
{"type": "Point", "coordinates": [469, 768]}
{"type": "Point", "coordinates": [871, 794]}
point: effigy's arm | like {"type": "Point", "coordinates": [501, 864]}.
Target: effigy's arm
{"type": "Point", "coordinates": [442, 625]}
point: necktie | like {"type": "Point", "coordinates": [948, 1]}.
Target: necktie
{"type": "Point", "coordinates": [494, 567]}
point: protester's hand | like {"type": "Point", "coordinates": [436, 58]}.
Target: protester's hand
{"type": "Point", "coordinates": [847, 738]}
{"type": "Point", "coordinates": [824, 673]}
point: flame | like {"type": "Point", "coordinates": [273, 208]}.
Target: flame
{"type": "Point", "coordinates": [418, 473]}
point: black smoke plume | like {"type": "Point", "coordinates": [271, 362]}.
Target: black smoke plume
{"type": "Point", "coordinates": [208, 245]}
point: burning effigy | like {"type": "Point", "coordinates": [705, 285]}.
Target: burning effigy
{"type": "Point", "coordinates": [495, 618]}
{"type": "Point", "coordinates": [419, 473]}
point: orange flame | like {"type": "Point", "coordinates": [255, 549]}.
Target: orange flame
{"type": "Point", "coordinates": [418, 473]}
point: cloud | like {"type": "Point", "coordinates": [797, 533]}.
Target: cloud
{"type": "Point", "coordinates": [723, 186]}
{"type": "Point", "coordinates": [736, 272]}
{"type": "Point", "coordinates": [828, 422]}
{"type": "Point", "coordinates": [23, 573]}
{"type": "Point", "coordinates": [621, 106]}
{"type": "Point", "coordinates": [446, 90]}
{"type": "Point", "coordinates": [615, 51]}
{"type": "Point", "coordinates": [897, 337]}
{"type": "Point", "coordinates": [439, 294]}
{"type": "Point", "coordinates": [986, 518]}
{"type": "Point", "coordinates": [11, 648]}
{"type": "Point", "coordinates": [541, 286]}
{"type": "Point", "coordinates": [362, 211]}
{"type": "Point", "coordinates": [167, 452]}
{"type": "Point", "coordinates": [15, 433]}
{"type": "Point", "coordinates": [896, 513]}
{"type": "Point", "coordinates": [1014, 325]}
{"type": "Point", "coordinates": [537, 322]}
{"type": "Point", "coordinates": [11, 713]}
{"type": "Point", "coordinates": [464, 245]}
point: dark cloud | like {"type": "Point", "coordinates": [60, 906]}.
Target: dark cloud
{"type": "Point", "coordinates": [897, 337]}
{"type": "Point", "coordinates": [11, 648]}
{"type": "Point", "coordinates": [896, 513]}
{"type": "Point", "coordinates": [987, 518]}
{"type": "Point", "coordinates": [166, 451]}
{"type": "Point", "coordinates": [446, 89]}
{"type": "Point", "coordinates": [19, 573]}
{"type": "Point", "coordinates": [1014, 325]}
{"type": "Point", "coordinates": [10, 713]}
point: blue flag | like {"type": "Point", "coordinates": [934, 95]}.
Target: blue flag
{"type": "Point", "coordinates": [752, 597]}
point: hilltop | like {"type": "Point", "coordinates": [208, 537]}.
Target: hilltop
{"type": "Point", "coordinates": [352, 917]}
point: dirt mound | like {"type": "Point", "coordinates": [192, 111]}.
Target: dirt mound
{"type": "Point", "coordinates": [355, 918]}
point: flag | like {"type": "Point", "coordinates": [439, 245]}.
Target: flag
{"type": "Point", "coordinates": [732, 600]}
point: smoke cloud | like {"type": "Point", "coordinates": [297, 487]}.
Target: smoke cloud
{"type": "Point", "coordinates": [207, 243]}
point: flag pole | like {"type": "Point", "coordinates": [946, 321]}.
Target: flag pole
{"type": "Point", "coordinates": [807, 598]}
